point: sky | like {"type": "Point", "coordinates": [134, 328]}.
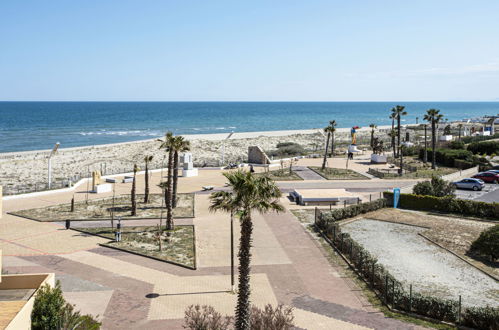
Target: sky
{"type": "Point", "coordinates": [97, 50]}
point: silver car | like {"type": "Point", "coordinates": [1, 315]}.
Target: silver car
{"type": "Point", "coordinates": [469, 183]}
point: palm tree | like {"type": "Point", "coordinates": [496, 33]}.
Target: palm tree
{"type": "Point", "coordinates": [392, 132]}
{"type": "Point", "coordinates": [373, 127]}
{"type": "Point", "coordinates": [147, 159]}
{"type": "Point", "coordinates": [433, 116]}
{"type": "Point", "coordinates": [134, 200]}
{"type": "Point", "coordinates": [250, 193]}
{"type": "Point", "coordinates": [399, 112]}
{"type": "Point", "coordinates": [332, 123]}
{"type": "Point", "coordinates": [328, 129]}
{"type": "Point", "coordinates": [167, 144]}
{"type": "Point", "coordinates": [179, 145]}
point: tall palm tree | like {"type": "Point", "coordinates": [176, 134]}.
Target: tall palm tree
{"type": "Point", "coordinates": [373, 127]}
{"type": "Point", "coordinates": [460, 127]}
{"type": "Point", "coordinates": [134, 185]}
{"type": "Point", "coordinates": [250, 193]}
{"type": "Point", "coordinates": [399, 112]}
{"type": "Point", "coordinates": [168, 144]}
{"type": "Point", "coordinates": [147, 159]}
{"type": "Point", "coordinates": [333, 124]}
{"type": "Point", "coordinates": [392, 132]}
{"type": "Point", "coordinates": [179, 145]}
{"type": "Point", "coordinates": [328, 129]}
{"type": "Point", "coordinates": [433, 116]}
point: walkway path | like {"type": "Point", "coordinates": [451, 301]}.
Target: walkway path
{"type": "Point", "coordinates": [307, 174]}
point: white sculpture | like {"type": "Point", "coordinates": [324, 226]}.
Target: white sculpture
{"type": "Point", "coordinates": [188, 169]}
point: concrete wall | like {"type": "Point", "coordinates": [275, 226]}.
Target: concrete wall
{"type": "Point", "coordinates": [257, 156]}
{"type": "Point", "coordinates": [25, 281]}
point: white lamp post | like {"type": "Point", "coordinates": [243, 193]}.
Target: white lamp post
{"type": "Point", "coordinates": [50, 162]}
{"type": "Point", "coordinates": [223, 147]}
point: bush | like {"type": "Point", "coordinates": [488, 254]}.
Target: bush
{"type": "Point", "coordinates": [411, 151]}
{"type": "Point", "coordinates": [207, 318]}
{"type": "Point", "coordinates": [487, 244]}
{"type": "Point", "coordinates": [489, 147]}
{"type": "Point", "coordinates": [287, 149]}
{"type": "Point", "coordinates": [435, 187]}
{"type": "Point", "coordinates": [456, 158]}
{"type": "Point", "coordinates": [327, 217]}
{"type": "Point", "coordinates": [456, 144]}
{"type": "Point", "coordinates": [445, 204]}
{"type": "Point", "coordinates": [481, 318]}
{"type": "Point", "coordinates": [52, 312]}
{"type": "Point", "coordinates": [470, 139]}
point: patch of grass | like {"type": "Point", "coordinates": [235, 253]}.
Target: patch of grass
{"type": "Point", "coordinates": [177, 244]}
{"type": "Point", "coordinates": [281, 175]}
{"type": "Point", "coordinates": [306, 218]}
{"type": "Point", "coordinates": [337, 173]}
{"type": "Point", "coordinates": [102, 209]}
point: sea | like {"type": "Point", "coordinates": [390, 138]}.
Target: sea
{"type": "Point", "coordinates": [39, 125]}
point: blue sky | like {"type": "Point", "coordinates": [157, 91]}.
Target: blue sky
{"type": "Point", "coordinates": [249, 50]}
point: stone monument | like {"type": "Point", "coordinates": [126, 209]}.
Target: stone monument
{"type": "Point", "coordinates": [97, 184]}
{"type": "Point", "coordinates": [188, 169]}
{"type": "Point", "coordinates": [377, 156]}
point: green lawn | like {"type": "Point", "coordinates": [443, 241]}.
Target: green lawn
{"type": "Point", "coordinates": [177, 247]}
{"type": "Point", "coordinates": [338, 173]}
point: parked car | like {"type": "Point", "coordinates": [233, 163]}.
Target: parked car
{"type": "Point", "coordinates": [487, 177]}
{"type": "Point", "coordinates": [469, 183]}
{"type": "Point", "coordinates": [493, 171]}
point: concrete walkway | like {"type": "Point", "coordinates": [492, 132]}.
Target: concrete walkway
{"type": "Point", "coordinates": [307, 174]}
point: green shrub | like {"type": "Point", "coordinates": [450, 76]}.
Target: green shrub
{"type": "Point", "coordinates": [435, 187]}
{"type": "Point", "coordinates": [489, 147]}
{"type": "Point", "coordinates": [411, 151]}
{"type": "Point", "coordinates": [470, 139]}
{"type": "Point", "coordinates": [456, 144]}
{"type": "Point", "coordinates": [287, 149]}
{"type": "Point", "coordinates": [487, 244]}
{"type": "Point", "coordinates": [481, 318]}
{"type": "Point", "coordinates": [52, 312]}
{"type": "Point", "coordinates": [446, 204]}
{"type": "Point", "coordinates": [326, 217]}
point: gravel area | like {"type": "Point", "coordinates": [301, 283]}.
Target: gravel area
{"type": "Point", "coordinates": [431, 270]}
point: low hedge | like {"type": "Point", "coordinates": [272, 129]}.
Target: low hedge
{"type": "Point", "coordinates": [389, 289]}
{"type": "Point", "coordinates": [478, 138]}
{"type": "Point", "coordinates": [350, 211]}
{"type": "Point", "coordinates": [445, 204]}
{"type": "Point", "coordinates": [489, 147]}
{"type": "Point", "coordinates": [447, 157]}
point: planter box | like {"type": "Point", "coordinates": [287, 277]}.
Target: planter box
{"type": "Point", "coordinates": [445, 138]}
{"type": "Point", "coordinates": [103, 188]}
{"type": "Point", "coordinates": [378, 159]}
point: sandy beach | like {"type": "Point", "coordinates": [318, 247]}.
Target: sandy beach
{"type": "Point", "coordinates": [24, 170]}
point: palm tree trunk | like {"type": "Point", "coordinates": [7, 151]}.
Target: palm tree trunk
{"type": "Point", "coordinates": [332, 144]}
{"type": "Point", "coordinates": [168, 194]}
{"type": "Point", "coordinates": [393, 137]}
{"type": "Point", "coordinates": [146, 190]}
{"type": "Point", "coordinates": [398, 134]}
{"type": "Point", "coordinates": [243, 295]}
{"type": "Point", "coordinates": [425, 155]}
{"type": "Point", "coordinates": [134, 202]}
{"type": "Point", "coordinates": [175, 179]}
{"type": "Point", "coordinates": [433, 144]}
{"type": "Point", "coordinates": [372, 137]}
{"type": "Point", "coordinates": [325, 153]}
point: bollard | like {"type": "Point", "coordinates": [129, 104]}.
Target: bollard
{"type": "Point", "coordinates": [370, 198]}
{"type": "Point", "coordinates": [73, 204]}
{"type": "Point", "coordinates": [68, 224]}
{"type": "Point", "coordinates": [345, 203]}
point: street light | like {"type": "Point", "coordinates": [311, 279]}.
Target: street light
{"type": "Point", "coordinates": [223, 147]}
{"type": "Point", "coordinates": [52, 153]}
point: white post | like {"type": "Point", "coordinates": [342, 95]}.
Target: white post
{"type": "Point", "coordinates": [54, 150]}
{"type": "Point", "coordinates": [50, 171]}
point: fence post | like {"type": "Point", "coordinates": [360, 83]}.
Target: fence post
{"type": "Point", "coordinates": [372, 274]}
{"type": "Point", "coordinates": [386, 289]}
{"type": "Point", "coordinates": [370, 198]}
{"type": "Point", "coordinates": [410, 298]}
{"type": "Point", "coordinates": [345, 203]}
{"type": "Point", "coordinates": [351, 250]}
{"type": "Point", "coordinates": [330, 207]}
{"type": "Point", "coordinates": [334, 234]}
{"type": "Point", "coordinates": [459, 311]}
{"type": "Point", "coordinates": [315, 216]}
{"type": "Point", "coordinates": [341, 247]}
{"type": "Point", "coordinates": [358, 200]}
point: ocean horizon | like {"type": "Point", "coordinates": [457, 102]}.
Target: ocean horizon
{"type": "Point", "coordinates": [35, 125]}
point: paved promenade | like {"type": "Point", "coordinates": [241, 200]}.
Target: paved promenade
{"type": "Point", "coordinates": [131, 292]}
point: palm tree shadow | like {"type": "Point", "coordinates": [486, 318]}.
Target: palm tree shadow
{"type": "Point", "coordinates": [156, 295]}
